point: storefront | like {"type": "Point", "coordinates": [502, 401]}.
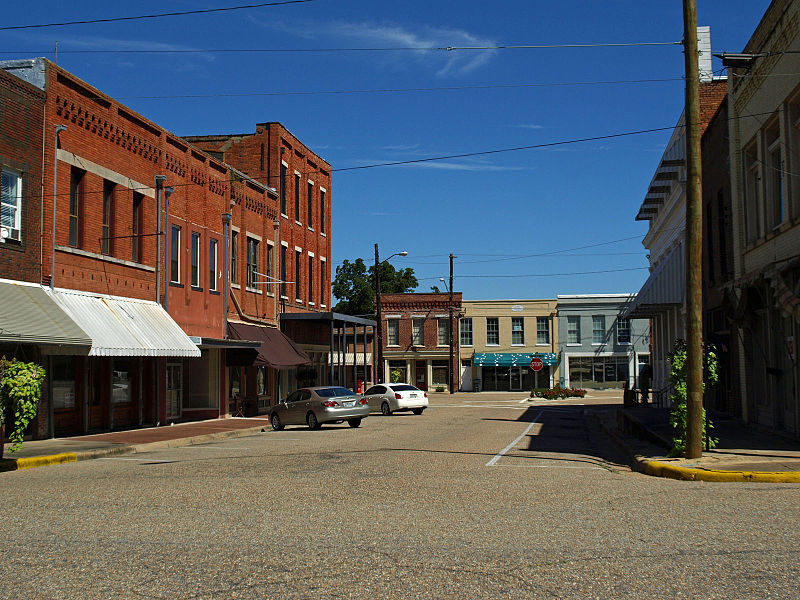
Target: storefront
{"type": "Point", "coordinates": [512, 372]}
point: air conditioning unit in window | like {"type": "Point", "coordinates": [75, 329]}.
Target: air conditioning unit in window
{"type": "Point", "coordinates": [5, 232]}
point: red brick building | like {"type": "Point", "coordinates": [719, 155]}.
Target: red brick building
{"type": "Point", "coordinates": [416, 339]}
{"type": "Point", "coordinates": [163, 255]}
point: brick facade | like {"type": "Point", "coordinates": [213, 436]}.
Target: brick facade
{"type": "Point", "coordinates": [302, 180]}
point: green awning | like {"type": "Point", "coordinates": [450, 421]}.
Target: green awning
{"type": "Point", "coordinates": [512, 359]}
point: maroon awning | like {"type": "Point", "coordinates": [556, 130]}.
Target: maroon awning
{"type": "Point", "coordinates": [276, 350]}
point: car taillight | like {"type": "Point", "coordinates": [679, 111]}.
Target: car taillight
{"type": "Point", "coordinates": [398, 397]}
{"type": "Point", "coordinates": [330, 403]}
{"type": "Point", "coordinates": [362, 401]}
{"type": "Point", "coordinates": [425, 394]}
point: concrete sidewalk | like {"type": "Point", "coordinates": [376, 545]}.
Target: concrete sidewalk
{"type": "Point", "coordinates": [744, 453]}
{"type": "Point", "coordinates": [41, 453]}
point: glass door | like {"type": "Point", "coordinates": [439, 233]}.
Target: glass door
{"type": "Point", "coordinates": [174, 390]}
{"type": "Point", "coordinates": [516, 379]}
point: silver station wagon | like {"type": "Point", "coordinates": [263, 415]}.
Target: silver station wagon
{"type": "Point", "coordinates": [314, 406]}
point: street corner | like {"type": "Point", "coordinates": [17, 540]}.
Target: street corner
{"type": "Point", "coordinates": [658, 468]}
{"type": "Point", "coordinates": [17, 464]}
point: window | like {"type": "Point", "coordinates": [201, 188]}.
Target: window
{"type": "Point", "coordinates": [418, 332]}
{"type": "Point", "coordinates": [283, 188]}
{"type": "Point", "coordinates": [75, 185]}
{"type": "Point", "coordinates": [492, 331]}
{"type": "Point", "coordinates": [136, 228]}
{"type": "Point", "coordinates": [108, 209]}
{"type": "Point", "coordinates": [623, 331]}
{"type": "Point", "coordinates": [297, 196]}
{"type": "Point", "coordinates": [234, 257]}
{"type": "Point", "coordinates": [752, 182]}
{"type": "Point", "coordinates": [443, 332]}
{"type": "Point", "coordinates": [322, 290]}
{"type": "Point", "coordinates": [11, 205]}
{"type": "Point", "coordinates": [542, 330]}
{"type": "Point", "coordinates": [517, 331]}
{"type": "Point", "coordinates": [270, 276]}
{"type": "Point", "coordinates": [573, 329]}
{"type": "Point", "coordinates": [175, 255]}
{"type": "Point", "coordinates": [439, 371]}
{"type": "Point", "coordinates": [310, 279]}
{"type": "Point", "coordinates": [598, 329]}
{"type": "Point", "coordinates": [466, 331]}
{"type": "Point", "coordinates": [195, 266]}
{"type": "Point", "coordinates": [121, 381]}
{"type": "Point", "coordinates": [252, 261]}
{"type": "Point", "coordinates": [322, 210]}
{"type": "Point", "coordinates": [310, 205]}
{"type": "Point", "coordinates": [283, 271]}
{"type": "Point", "coordinates": [775, 185]}
{"type": "Point", "coordinates": [298, 257]}
{"type": "Point", "coordinates": [393, 332]}
{"type": "Point", "coordinates": [212, 265]}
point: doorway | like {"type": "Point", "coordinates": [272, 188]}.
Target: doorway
{"type": "Point", "coordinates": [174, 390]}
{"type": "Point", "coordinates": [421, 375]}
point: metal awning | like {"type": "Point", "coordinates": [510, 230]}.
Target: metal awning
{"type": "Point", "coordinates": [664, 288]}
{"type": "Point", "coordinates": [120, 326]}
{"type": "Point", "coordinates": [30, 316]}
{"type": "Point", "coordinates": [512, 359]}
{"type": "Point", "coordinates": [275, 349]}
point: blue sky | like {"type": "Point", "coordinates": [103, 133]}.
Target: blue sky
{"type": "Point", "coordinates": [514, 218]}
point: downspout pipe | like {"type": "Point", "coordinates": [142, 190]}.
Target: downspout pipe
{"type": "Point", "coordinates": [167, 193]}
{"type": "Point", "coordinates": [226, 228]}
{"type": "Point", "coordinates": [159, 183]}
{"type": "Point", "coordinates": [59, 129]}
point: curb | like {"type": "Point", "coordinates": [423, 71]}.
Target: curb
{"type": "Point", "coordinates": [17, 464]}
{"type": "Point", "coordinates": [655, 468]}
{"type": "Point", "coordinates": [661, 469]}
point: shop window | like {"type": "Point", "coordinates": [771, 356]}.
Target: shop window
{"type": "Point", "coordinates": [63, 378]}
{"type": "Point", "coordinates": [439, 372]}
{"type": "Point", "coordinates": [121, 381]}
{"type": "Point", "coordinates": [397, 371]}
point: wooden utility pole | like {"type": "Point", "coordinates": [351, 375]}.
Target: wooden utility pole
{"type": "Point", "coordinates": [694, 241]}
{"type": "Point", "coordinates": [379, 326]}
{"type": "Point", "coordinates": [452, 369]}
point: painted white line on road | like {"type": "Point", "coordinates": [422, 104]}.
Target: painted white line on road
{"type": "Point", "coordinates": [500, 454]}
{"type": "Point", "coordinates": [551, 467]}
{"type": "Point", "coordinates": [201, 447]}
{"type": "Point", "coordinates": [152, 460]}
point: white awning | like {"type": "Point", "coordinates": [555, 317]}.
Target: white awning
{"type": "Point", "coordinates": [121, 326]}
{"type": "Point", "coordinates": [349, 358]}
{"type": "Point", "coordinates": [664, 288]}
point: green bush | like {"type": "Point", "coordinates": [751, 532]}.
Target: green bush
{"type": "Point", "coordinates": [557, 392]}
{"type": "Point", "coordinates": [20, 391]}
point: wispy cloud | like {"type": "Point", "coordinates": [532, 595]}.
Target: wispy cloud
{"type": "Point", "coordinates": [529, 126]}
{"type": "Point", "coordinates": [474, 165]}
{"type": "Point", "coordinates": [389, 35]}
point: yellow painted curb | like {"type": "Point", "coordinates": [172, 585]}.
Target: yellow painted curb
{"type": "Point", "coordinates": [44, 461]}
{"type": "Point", "coordinates": [660, 469]}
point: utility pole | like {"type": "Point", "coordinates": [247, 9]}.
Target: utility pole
{"type": "Point", "coordinates": [694, 241]}
{"type": "Point", "coordinates": [379, 336]}
{"type": "Point", "coordinates": [452, 369]}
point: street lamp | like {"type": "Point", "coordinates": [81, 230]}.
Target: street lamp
{"type": "Point", "coordinates": [379, 341]}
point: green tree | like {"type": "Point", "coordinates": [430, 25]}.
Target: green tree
{"type": "Point", "coordinates": [354, 285]}
{"type": "Point", "coordinates": [20, 391]}
{"type": "Point", "coordinates": [677, 376]}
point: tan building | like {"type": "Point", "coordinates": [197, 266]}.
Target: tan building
{"type": "Point", "coordinates": [498, 340]}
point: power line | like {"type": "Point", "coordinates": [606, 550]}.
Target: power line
{"type": "Point", "coordinates": [519, 275]}
{"type": "Point", "coordinates": [156, 15]}
{"type": "Point", "coordinates": [397, 90]}
{"type": "Point", "coordinates": [351, 49]}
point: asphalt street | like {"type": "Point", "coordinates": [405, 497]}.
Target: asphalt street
{"type": "Point", "coordinates": [472, 499]}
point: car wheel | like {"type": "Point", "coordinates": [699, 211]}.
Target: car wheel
{"type": "Point", "coordinates": [386, 410]}
{"type": "Point", "coordinates": [354, 422]}
{"type": "Point", "coordinates": [418, 411]}
{"type": "Point", "coordinates": [312, 421]}
{"type": "Point", "coordinates": [275, 421]}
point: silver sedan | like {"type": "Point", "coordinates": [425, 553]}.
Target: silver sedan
{"type": "Point", "coordinates": [390, 397]}
{"type": "Point", "coordinates": [314, 406]}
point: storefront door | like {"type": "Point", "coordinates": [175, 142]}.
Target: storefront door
{"type": "Point", "coordinates": [421, 376]}
{"type": "Point", "coordinates": [516, 379]}
{"type": "Point", "coordinates": [98, 411]}
{"type": "Point", "coordinates": [174, 390]}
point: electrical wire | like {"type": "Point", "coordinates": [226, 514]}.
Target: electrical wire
{"type": "Point", "coordinates": [521, 275]}
{"type": "Point", "coordinates": [156, 15]}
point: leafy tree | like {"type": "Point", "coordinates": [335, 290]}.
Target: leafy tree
{"type": "Point", "coordinates": [678, 376]}
{"type": "Point", "coordinates": [20, 391]}
{"type": "Point", "coordinates": [354, 285]}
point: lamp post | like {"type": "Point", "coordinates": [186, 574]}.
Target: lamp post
{"type": "Point", "coordinates": [379, 337]}
{"type": "Point", "coordinates": [451, 383]}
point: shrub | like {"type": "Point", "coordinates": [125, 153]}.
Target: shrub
{"type": "Point", "coordinates": [20, 390]}
{"type": "Point", "coordinates": [557, 392]}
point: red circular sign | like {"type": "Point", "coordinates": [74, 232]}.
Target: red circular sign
{"type": "Point", "coordinates": [537, 364]}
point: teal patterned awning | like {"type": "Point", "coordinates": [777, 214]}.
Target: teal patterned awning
{"type": "Point", "coordinates": [512, 359]}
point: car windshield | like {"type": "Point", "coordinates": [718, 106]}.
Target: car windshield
{"type": "Point", "coordinates": [404, 388]}
{"type": "Point", "coordinates": [334, 391]}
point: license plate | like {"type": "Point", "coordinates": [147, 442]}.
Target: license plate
{"type": "Point", "coordinates": [413, 395]}
{"type": "Point", "coordinates": [350, 403]}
